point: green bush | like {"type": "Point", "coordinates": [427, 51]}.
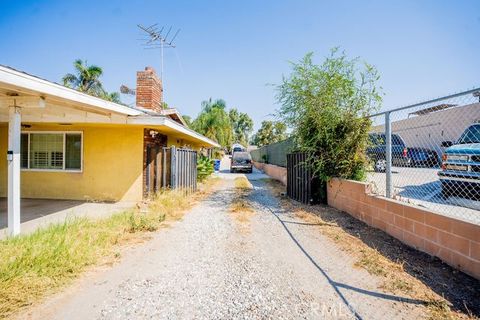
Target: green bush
{"type": "Point", "coordinates": [327, 107]}
{"type": "Point", "coordinates": [265, 158]}
{"type": "Point", "coordinates": [204, 167]}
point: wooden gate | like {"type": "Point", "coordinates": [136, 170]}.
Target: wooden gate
{"type": "Point", "coordinates": [302, 186]}
{"type": "Point", "coordinates": [152, 161]}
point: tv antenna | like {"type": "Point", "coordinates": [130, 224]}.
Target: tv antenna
{"type": "Point", "coordinates": [156, 40]}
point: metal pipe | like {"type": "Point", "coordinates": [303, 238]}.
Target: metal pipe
{"type": "Point", "coordinates": [455, 95]}
{"type": "Point", "coordinates": [388, 156]}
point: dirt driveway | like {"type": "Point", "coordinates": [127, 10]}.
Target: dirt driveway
{"type": "Point", "coordinates": [213, 266]}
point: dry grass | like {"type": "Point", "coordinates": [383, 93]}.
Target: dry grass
{"type": "Point", "coordinates": [242, 183]}
{"type": "Point", "coordinates": [36, 265]}
{"type": "Point", "coordinates": [387, 258]}
{"type": "Point", "coordinates": [240, 207]}
{"type": "Point", "coordinates": [241, 211]}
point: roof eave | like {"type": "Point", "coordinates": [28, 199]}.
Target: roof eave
{"type": "Point", "coordinates": [164, 121]}
{"type": "Point", "coordinates": [21, 80]}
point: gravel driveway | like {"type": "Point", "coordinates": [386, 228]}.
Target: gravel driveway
{"type": "Point", "coordinates": [211, 266]}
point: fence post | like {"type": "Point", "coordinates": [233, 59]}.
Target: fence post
{"type": "Point", "coordinates": [173, 167]}
{"type": "Point", "coordinates": [164, 168]}
{"type": "Point", "coordinates": [388, 156]}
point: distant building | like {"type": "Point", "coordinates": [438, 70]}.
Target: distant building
{"type": "Point", "coordinates": [427, 128]}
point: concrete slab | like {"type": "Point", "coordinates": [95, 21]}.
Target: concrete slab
{"type": "Point", "coordinates": [36, 213]}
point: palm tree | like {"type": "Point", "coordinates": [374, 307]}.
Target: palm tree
{"type": "Point", "coordinates": [112, 96]}
{"type": "Point", "coordinates": [214, 122]}
{"type": "Point", "coordinates": [85, 79]}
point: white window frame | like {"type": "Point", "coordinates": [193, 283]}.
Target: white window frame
{"type": "Point", "coordinates": [63, 133]}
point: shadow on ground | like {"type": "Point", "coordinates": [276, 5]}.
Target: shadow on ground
{"type": "Point", "coordinates": [459, 289]}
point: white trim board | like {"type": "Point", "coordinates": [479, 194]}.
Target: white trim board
{"type": "Point", "coordinates": [19, 79]}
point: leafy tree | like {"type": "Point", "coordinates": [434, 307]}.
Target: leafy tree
{"type": "Point", "coordinates": [242, 126]}
{"type": "Point", "coordinates": [188, 120]}
{"type": "Point", "coordinates": [87, 79]}
{"type": "Point", "coordinates": [214, 122]}
{"type": "Point", "coordinates": [327, 106]}
{"type": "Point", "coordinates": [270, 132]}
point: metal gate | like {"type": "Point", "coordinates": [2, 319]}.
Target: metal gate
{"type": "Point", "coordinates": [180, 169]}
{"type": "Point", "coordinates": [302, 186]}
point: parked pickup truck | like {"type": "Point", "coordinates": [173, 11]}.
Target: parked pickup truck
{"type": "Point", "coordinates": [401, 154]}
{"type": "Point", "coordinates": [461, 164]}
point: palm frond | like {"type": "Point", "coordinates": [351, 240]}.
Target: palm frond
{"type": "Point", "coordinates": [70, 80]}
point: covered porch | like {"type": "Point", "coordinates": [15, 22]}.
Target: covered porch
{"type": "Point", "coordinates": [53, 166]}
{"type": "Point", "coordinates": [58, 143]}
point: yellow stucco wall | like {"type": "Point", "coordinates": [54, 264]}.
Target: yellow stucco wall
{"type": "Point", "coordinates": [112, 167]}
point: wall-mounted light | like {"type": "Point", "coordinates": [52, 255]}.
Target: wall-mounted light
{"type": "Point", "coordinates": [153, 133]}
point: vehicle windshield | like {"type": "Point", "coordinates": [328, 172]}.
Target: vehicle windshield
{"type": "Point", "coordinates": [242, 156]}
{"type": "Point", "coordinates": [471, 135]}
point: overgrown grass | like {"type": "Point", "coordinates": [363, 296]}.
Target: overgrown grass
{"type": "Point", "coordinates": [39, 263]}
{"type": "Point", "coordinates": [35, 265]}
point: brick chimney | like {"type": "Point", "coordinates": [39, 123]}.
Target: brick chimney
{"type": "Point", "coordinates": [149, 90]}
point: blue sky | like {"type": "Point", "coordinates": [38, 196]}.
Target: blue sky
{"type": "Point", "coordinates": [234, 49]}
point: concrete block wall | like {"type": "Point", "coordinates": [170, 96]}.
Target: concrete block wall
{"type": "Point", "coordinates": [454, 241]}
{"type": "Point", "coordinates": [273, 171]}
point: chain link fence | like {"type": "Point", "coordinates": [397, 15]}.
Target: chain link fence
{"type": "Point", "coordinates": [432, 156]}
{"type": "Point", "coordinates": [275, 153]}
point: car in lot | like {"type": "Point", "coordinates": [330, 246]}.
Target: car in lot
{"type": "Point", "coordinates": [401, 154]}
{"type": "Point", "coordinates": [241, 161]}
{"type": "Point", "coordinates": [460, 174]}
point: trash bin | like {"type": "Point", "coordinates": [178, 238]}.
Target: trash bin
{"type": "Point", "coordinates": [216, 165]}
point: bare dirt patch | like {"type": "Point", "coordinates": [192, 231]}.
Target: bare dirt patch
{"type": "Point", "coordinates": [449, 293]}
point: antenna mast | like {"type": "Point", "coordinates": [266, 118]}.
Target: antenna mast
{"type": "Point", "coordinates": [156, 40]}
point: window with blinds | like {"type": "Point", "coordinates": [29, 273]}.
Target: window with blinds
{"type": "Point", "coordinates": [51, 151]}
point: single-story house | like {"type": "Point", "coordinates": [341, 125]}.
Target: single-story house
{"type": "Point", "coordinates": [59, 143]}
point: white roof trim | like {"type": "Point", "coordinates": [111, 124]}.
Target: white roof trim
{"type": "Point", "coordinates": [43, 87]}
{"type": "Point", "coordinates": [21, 80]}
{"type": "Point", "coordinates": [164, 121]}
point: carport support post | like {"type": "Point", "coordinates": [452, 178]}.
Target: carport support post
{"type": "Point", "coordinates": [388, 156]}
{"type": "Point", "coordinates": [13, 155]}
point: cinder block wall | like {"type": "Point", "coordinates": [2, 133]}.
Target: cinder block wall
{"type": "Point", "coordinates": [454, 241]}
{"type": "Point", "coordinates": [273, 171]}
